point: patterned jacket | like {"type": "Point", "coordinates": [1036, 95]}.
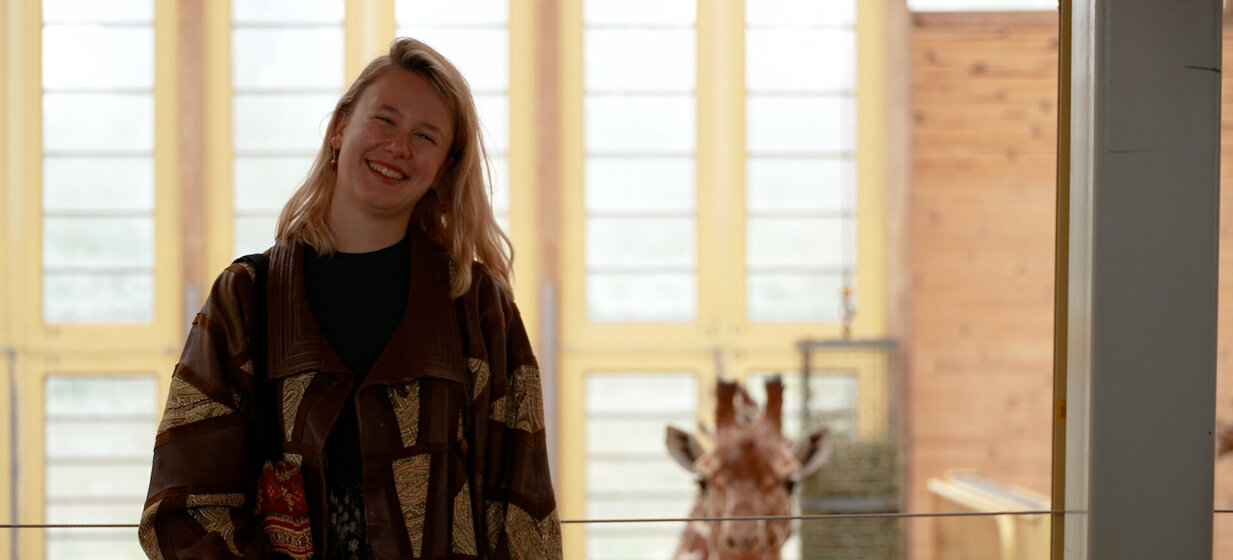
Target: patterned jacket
{"type": "Point", "coordinates": [416, 456]}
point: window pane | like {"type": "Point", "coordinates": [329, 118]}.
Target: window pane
{"type": "Point", "coordinates": [282, 122]}
{"type": "Point", "coordinates": [98, 544]}
{"type": "Point", "coordinates": [254, 234]}
{"type": "Point", "coordinates": [98, 121]}
{"type": "Point", "coordinates": [115, 439]}
{"type": "Point", "coordinates": [98, 183]}
{"type": "Point", "coordinates": [648, 185]}
{"type": "Point", "coordinates": [287, 58]}
{"type": "Point", "coordinates": [800, 12]}
{"type": "Point", "coordinates": [115, 482]}
{"type": "Point", "coordinates": [97, 297]}
{"type": "Point", "coordinates": [673, 395]}
{"type": "Point", "coordinates": [482, 55]}
{"type": "Point", "coordinates": [641, 297]}
{"type": "Point", "coordinates": [619, 59]}
{"type": "Point", "coordinates": [265, 183]}
{"type": "Point", "coordinates": [794, 242]}
{"type": "Point", "coordinates": [98, 242]}
{"type": "Point", "coordinates": [642, 124]}
{"type": "Point", "coordinates": [127, 11]}
{"type": "Point", "coordinates": [500, 185]}
{"type": "Point", "coordinates": [287, 11]}
{"type": "Point", "coordinates": [640, 242]}
{"type": "Point", "coordinates": [800, 185]}
{"type": "Point", "coordinates": [800, 59]}
{"type": "Point", "coordinates": [788, 124]}
{"type": "Point", "coordinates": [93, 57]}
{"type": "Point", "coordinates": [102, 396]}
{"type": "Point", "coordinates": [494, 121]}
{"type": "Point", "coordinates": [794, 297]}
{"type": "Point", "coordinates": [635, 12]}
{"type": "Point", "coordinates": [456, 12]}
{"type": "Point", "coordinates": [628, 471]}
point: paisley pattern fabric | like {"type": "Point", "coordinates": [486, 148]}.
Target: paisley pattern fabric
{"type": "Point", "coordinates": [188, 404]}
{"type": "Point", "coordinates": [411, 480]}
{"type": "Point", "coordinates": [406, 403]}
{"type": "Point", "coordinates": [522, 408]}
{"type": "Point", "coordinates": [463, 541]}
{"type": "Point", "coordinates": [293, 394]}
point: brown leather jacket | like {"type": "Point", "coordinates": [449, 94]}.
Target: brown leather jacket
{"type": "Point", "coordinates": [419, 467]}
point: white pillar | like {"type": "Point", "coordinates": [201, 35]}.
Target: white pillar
{"type": "Point", "coordinates": [1144, 183]}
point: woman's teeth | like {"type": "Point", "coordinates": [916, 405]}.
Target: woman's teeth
{"type": "Point", "coordinates": [391, 173]}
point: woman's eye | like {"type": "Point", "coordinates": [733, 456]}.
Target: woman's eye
{"type": "Point", "coordinates": [385, 120]}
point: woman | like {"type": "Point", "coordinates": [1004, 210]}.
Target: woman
{"type": "Point", "coordinates": [400, 412]}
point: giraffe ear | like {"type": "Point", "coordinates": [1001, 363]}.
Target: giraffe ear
{"type": "Point", "coordinates": [812, 450]}
{"type": "Point", "coordinates": [683, 447]}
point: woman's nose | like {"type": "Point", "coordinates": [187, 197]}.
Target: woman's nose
{"type": "Point", "coordinates": [399, 147]}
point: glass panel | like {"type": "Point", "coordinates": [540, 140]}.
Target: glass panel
{"type": "Point", "coordinates": [672, 394]}
{"type": "Point", "coordinates": [789, 123]}
{"type": "Point", "coordinates": [629, 541]}
{"type": "Point", "coordinates": [287, 11]}
{"type": "Point", "coordinates": [811, 242]}
{"type": "Point", "coordinates": [640, 242]}
{"type": "Point", "coordinates": [494, 121]}
{"type": "Point", "coordinates": [776, 59]}
{"type": "Point", "coordinates": [629, 473]}
{"type": "Point", "coordinates": [102, 396]}
{"type": "Point", "coordinates": [287, 58]}
{"type": "Point", "coordinates": [84, 513]}
{"type": "Point", "coordinates": [640, 12]}
{"type": "Point", "coordinates": [642, 297]}
{"type": "Point", "coordinates": [98, 242]}
{"type": "Point", "coordinates": [98, 121]}
{"type": "Point", "coordinates": [500, 184]}
{"type": "Point", "coordinates": [800, 185]}
{"type": "Point", "coordinates": [631, 476]}
{"type": "Point", "coordinates": [100, 439]}
{"type": "Point", "coordinates": [617, 60]}
{"type": "Point", "coordinates": [127, 11]}
{"type": "Point", "coordinates": [794, 297]}
{"type": "Point", "coordinates": [99, 184]}
{"type": "Point", "coordinates": [293, 122]}
{"type": "Point", "coordinates": [648, 185]}
{"type": "Point", "coordinates": [118, 482]}
{"type": "Point", "coordinates": [93, 57]}
{"type": "Point", "coordinates": [457, 12]}
{"type": "Point", "coordinates": [643, 124]}
{"type": "Point", "coordinates": [800, 12]}
{"type": "Point", "coordinates": [100, 544]}
{"type": "Point", "coordinates": [254, 234]}
{"type": "Point", "coordinates": [265, 183]}
{"type": "Point", "coordinates": [97, 297]}
{"type": "Point", "coordinates": [482, 55]}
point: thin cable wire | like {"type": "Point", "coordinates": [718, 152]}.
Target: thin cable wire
{"type": "Point", "coordinates": [823, 516]}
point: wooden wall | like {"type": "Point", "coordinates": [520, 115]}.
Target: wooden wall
{"type": "Point", "coordinates": [984, 142]}
{"type": "Point", "coordinates": [983, 100]}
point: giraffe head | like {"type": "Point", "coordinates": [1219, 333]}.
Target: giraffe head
{"type": "Point", "coordinates": [750, 470]}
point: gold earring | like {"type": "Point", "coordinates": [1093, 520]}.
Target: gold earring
{"type": "Point", "coordinates": [334, 160]}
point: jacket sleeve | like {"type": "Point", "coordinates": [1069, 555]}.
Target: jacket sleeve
{"type": "Point", "coordinates": [203, 480]}
{"type": "Point", "coordinates": [521, 514]}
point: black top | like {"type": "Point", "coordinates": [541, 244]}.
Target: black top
{"type": "Point", "coordinates": [358, 299]}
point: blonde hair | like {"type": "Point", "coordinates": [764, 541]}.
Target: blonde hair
{"type": "Point", "coordinates": [469, 231]}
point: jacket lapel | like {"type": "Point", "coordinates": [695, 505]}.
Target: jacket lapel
{"type": "Point", "coordinates": [426, 343]}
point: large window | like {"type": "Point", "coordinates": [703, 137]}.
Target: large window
{"type": "Point", "coordinates": [287, 73]}
{"type": "Point", "coordinates": [98, 162]}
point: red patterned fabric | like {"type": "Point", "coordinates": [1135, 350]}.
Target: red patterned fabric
{"type": "Point", "coordinates": [282, 506]}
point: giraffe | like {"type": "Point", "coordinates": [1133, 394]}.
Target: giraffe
{"type": "Point", "coordinates": [750, 470]}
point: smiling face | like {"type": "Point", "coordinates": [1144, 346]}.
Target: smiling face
{"type": "Point", "coordinates": [393, 146]}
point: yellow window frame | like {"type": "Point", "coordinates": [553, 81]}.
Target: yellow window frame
{"type": "Point", "coordinates": [720, 341]}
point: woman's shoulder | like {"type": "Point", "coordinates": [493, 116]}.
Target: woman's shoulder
{"type": "Point", "coordinates": [488, 288]}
